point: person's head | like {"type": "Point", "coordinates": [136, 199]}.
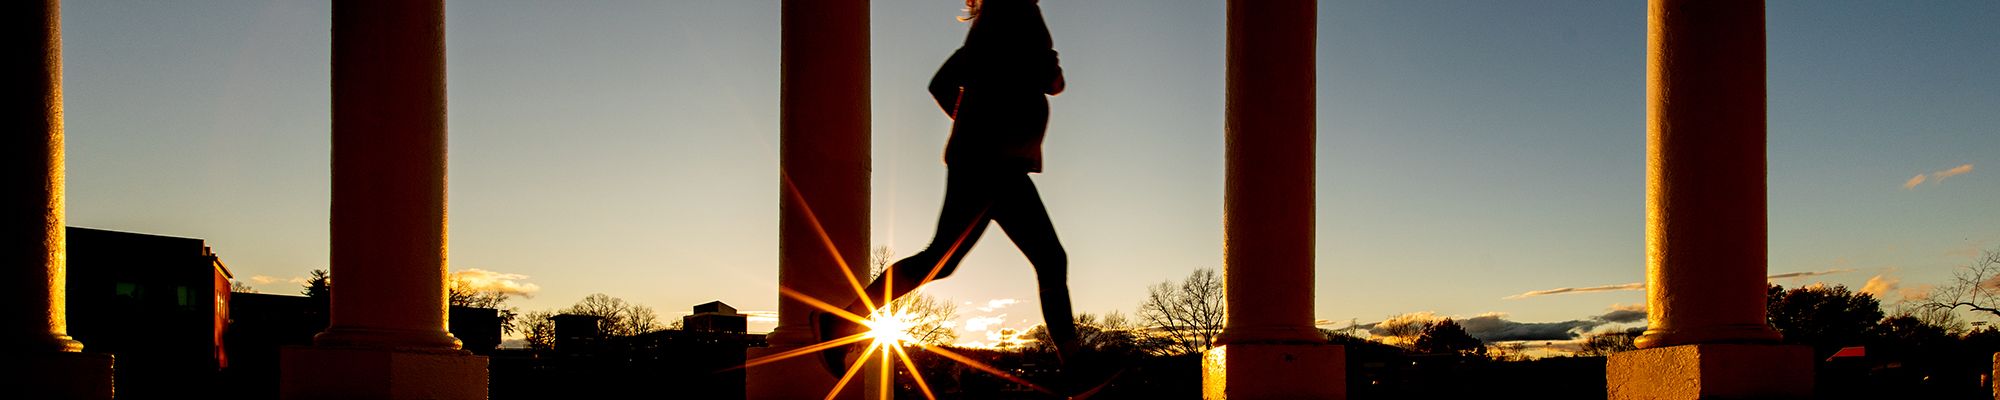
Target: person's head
{"type": "Point", "coordinates": [973, 8]}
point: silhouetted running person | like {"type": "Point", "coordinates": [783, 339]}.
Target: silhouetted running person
{"type": "Point", "coordinates": [993, 88]}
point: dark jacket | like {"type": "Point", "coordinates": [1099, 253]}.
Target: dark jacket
{"type": "Point", "coordinates": [994, 89]}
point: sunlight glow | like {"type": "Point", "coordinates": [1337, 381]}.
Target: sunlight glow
{"type": "Point", "coordinates": [888, 327]}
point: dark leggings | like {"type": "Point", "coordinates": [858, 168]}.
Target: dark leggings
{"type": "Point", "coordinates": [971, 198]}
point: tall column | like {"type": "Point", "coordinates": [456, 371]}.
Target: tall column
{"type": "Point", "coordinates": [34, 333]}
{"type": "Point", "coordinates": [1705, 214]}
{"type": "Point", "coordinates": [1269, 348]}
{"type": "Point", "coordinates": [387, 335]}
{"type": "Point", "coordinates": [824, 181]}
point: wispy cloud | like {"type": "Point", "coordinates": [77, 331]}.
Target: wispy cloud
{"type": "Point", "coordinates": [1937, 177]}
{"type": "Point", "coordinates": [1642, 285]}
{"type": "Point", "coordinates": [1914, 181]}
{"type": "Point", "coordinates": [996, 304]}
{"type": "Point", "coordinates": [1566, 290]}
{"type": "Point", "coordinates": [1801, 274]}
{"type": "Point", "coordinates": [488, 281]}
{"type": "Point", "coordinates": [1880, 285]}
{"type": "Point", "coordinates": [261, 280]}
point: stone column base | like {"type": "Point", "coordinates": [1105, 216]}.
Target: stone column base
{"type": "Point", "coordinates": [801, 377]}
{"type": "Point", "coordinates": [58, 375]}
{"type": "Point", "coordinates": [314, 372]}
{"type": "Point", "coordinates": [1274, 371]}
{"type": "Point", "coordinates": [1711, 371]}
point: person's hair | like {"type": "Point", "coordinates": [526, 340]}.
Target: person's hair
{"type": "Point", "coordinates": [971, 10]}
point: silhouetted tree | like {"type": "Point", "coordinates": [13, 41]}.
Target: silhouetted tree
{"type": "Point", "coordinates": [1824, 317]}
{"type": "Point", "coordinates": [1445, 336]}
{"type": "Point", "coordinates": [1605, 343]}
{"type": "Point", "coordinates": [1974, 287]}
{"type": "Point", "coordinates": [538, 328]}
{"type": "Point", "coordinates": [318, 285]}
{"type": "Point", "coordinates": [616, 317]}
{"type": "Point", "coordinates": [929, 318]}
{"type": "Point", "coordinates": [1188, 314]}
{"type": "Point", "coordinates": [1111, 334]}
{"type": "Point", "coordinates": [240, 287]}
{"type": "Point", "coordinates": [1404, 329]}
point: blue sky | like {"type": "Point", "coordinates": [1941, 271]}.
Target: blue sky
{"type": "Point", "coordinates": [1468, 151]}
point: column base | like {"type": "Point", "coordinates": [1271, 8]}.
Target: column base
{"type": "Point", "coordinates": [1711, 371]}
{"type": "Point", "coordinates": [58, 375]}
{"type": "Point", "coordinates": [1274, 371]}
{"type": "Point", "coordinates": [801, 377]}
{"type": "Point", "coordinates": [318, 372]}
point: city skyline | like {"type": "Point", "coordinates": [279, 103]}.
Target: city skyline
{"type": "Point", "coordinates": [1471, 155]}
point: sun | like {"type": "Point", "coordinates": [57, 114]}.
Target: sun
{"type": "Point", "coordinates": [890, 327]}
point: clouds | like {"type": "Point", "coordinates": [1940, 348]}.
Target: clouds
{"type": "Point", "coordinates": [1605, 288]}
{"type": "Point", "coordinates": [1624, 313]}
{"type": "Point", "coordinates": [1642, 285]}
{"type": "Point", "coordinates": [1495, 327]}
{"type": "Point", "coordinates": [996, 304]}
{"type": "Point", "coordinates": [479, 280]}
{"type": "Point", "coordinates": [267, 279]}
{"type": "Point", "coordinates": [1801, 274]}
{"type": "Point", "coordinates": [1879, 285]}
{"type": "Point", "coordinates": [1936, 177]}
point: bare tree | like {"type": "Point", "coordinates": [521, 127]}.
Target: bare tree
{"type": "Point", "coordinates": [240, 287]}
{"type": "Point", "coordinates": [929, 318]}
{"type": "Point", "coordinates": [1113, 333]}
{"type": "Point", "coordinates": [1603, 344]}
{"type": "Point", "coordinates": [1404, 329]}
{"type": "Point", "coordinates": [616, 317]}
{"type": "Point", "coordinates": [1975, 287]}
{"type": "Point", "coordinates": [538, 328]}
{"type": "Point", "coordinates": [1187, 314]}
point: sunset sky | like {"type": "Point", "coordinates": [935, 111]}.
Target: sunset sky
{"type": "Point", "coordinates": [1470, 152]}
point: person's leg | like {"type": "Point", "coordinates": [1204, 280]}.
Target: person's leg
{"type": "Point", "coordinates": [1019, 210]}
{"type": "Point", "coordinates": [967, 200]}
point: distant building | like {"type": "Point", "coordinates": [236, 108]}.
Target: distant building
{"type": "Point", "coordinates": [715, 317]}
{"type": "Point", "coordinates": [702, 361]}
{"type": "Point", "coordinates": [157, 303]}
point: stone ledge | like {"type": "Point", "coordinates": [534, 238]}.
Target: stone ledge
{"type": "Point", "coordinates": [59, 375]}
{"type": "Point", "coordinates": [1711, 371]}
{"type": "Point", "coordinates": [312, 372]}
{"type": "Point", "coordinates": [1274, 371]}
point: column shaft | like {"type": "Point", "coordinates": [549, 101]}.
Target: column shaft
{"type": "Point", "coordinates": [1705, 188]}
{"type": "Point", "coordinates": [1268, 200]}
{"type": "Point", "coordinates": [823, 162]}
{"type": "Point", "coordinates": [388, 217]}
{"type": "Point", "coordinates": [31, 169]}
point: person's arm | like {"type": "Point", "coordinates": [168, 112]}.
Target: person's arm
{"type": "Point", "coordinates": [948, 84]}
